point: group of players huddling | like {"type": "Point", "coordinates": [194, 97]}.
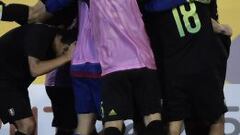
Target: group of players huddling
{"type": "Point", "coordinates": [161, 63]}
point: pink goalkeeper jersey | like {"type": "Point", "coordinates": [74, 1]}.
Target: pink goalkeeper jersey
{"type": "Point", "coordinates": [119, 32]}
{"type": "Point", "coordinates": [85, 51]}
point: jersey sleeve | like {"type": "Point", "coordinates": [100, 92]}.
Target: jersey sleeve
{"type": "Point", "coordinates": [214, 10]}
{"type": "Point", "coordinates": [54, 6]}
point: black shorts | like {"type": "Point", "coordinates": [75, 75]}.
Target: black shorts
{"type": "Point", "coordinates": [226, 40]}
{"type": "Point", "coordinates": [191, 60]}
{"type": "Point", "coordinates": [14, 104]}
{"type": "Point", "coordinates": [64, 114]}
{"type": "Point", "coordinates": [194, 123]}
{"type": "Point", "coordinates": [130, 91]}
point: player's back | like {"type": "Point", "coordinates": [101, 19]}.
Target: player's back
{"type": "Point", "coordinates": [120, 35]}
{"type": "Point", "coordinates": [12, 55]}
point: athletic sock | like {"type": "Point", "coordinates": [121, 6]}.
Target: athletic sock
{"type": "Point", "coordinates": [155, 128]}
{"type": "Point", "coordinates": [19, 133]}
{"type": "Point", "coordinates": [139, 127]}
{"type": "Point", "coordinates": [94, 132]}
{"type": "Point", "coordinates": [112, 131]}
{"type": "Point", "coordinates": [123, 129]}
{"type": "Point", "coordinates": [64, 132]}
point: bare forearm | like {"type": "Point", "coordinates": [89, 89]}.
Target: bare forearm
{"type": "Point", "coordinates": [42, 67]}
{"type": "Point", "coordinates": [23, 14]}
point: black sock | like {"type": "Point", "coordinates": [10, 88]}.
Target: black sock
{"type": "Point", "coordinates": [123, 129]}
{"type": "Point", "coordinates": [19, 133]}
{"type": "Point", "coordinates": [139, 127]}
{"type": "Point", "coordinates": [112, 131]}
{"type": "Point", "coordinates": [94, 132]}
{"type": "Point", "coordinates": [155, 128]}
{"type": "Point", "coordinates": [64, 132]}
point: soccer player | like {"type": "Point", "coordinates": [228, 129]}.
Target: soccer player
{"type": "Point", "coordinates": [58, 83]}
{"type": "Point", "coordinates": [24, 56]}
{"type": "Point", "coordinates": [59, 88]}
{"type": "Point", "coordinates": [129, 78]}
{"type": "Point", "coordinates": [194, 126]}
{"type": "Point", "coordinates": [190, 57]}
{"type": "Point", "coordinates": [86, 73]}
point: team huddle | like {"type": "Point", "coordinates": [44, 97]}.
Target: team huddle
{"type": "Point", "coordinates": [160, 63]}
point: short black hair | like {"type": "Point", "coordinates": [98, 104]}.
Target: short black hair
{"type": "Point", "coordinates": [69, 36]}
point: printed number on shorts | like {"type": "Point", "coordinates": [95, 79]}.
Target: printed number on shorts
{"type": "Point", "coordinates": [187, 15]}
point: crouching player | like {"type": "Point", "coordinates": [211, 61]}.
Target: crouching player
{"type": "Point", "coordinates": [24, 56]}
{"type": "Point", "coordinates": [58, 82]}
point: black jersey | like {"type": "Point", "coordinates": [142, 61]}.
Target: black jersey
{"type": "Point", "coordinates": [213, 9]}
{"type": "Point", "coordinates": [15, 46]}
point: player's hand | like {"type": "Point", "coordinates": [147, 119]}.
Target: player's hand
{"type": "Point", "coordinates": [226, 30]}
{"type": "Point", "coordinates": [68, 53]}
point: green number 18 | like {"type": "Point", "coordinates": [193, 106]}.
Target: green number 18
{"type": "Point", "coordinates": [186, 19]}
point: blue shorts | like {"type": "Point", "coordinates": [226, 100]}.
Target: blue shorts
{"type": "Point", "coordinates": [87, 95]}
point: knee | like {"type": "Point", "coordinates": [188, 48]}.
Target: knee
{"type": "Point", "coordinates": [152, 117]}
{"type": "Point", "coordinates": [175, 127]}
{"type": "Point", "coordinates": [113, 128]}
{"type": "Point", "coordinates": [173, 131]}
{"type": "Point", "coordinates": [26, 126]}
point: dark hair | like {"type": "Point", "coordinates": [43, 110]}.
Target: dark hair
{"type": "Point", "coordinates": [69, 36]}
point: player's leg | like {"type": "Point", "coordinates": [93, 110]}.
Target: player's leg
{"type": "Point", "coordinates": [65, 116]}
{"type": "Point", "coordinates": [25, 126]}
{"type": "Point", "coordinates": [147, 93]}
{"type": "Point", "coordinates": [194, 126]}
{"type": "Point", "coordinates": [217, 128]}
{"type": "Point", "coordinates": [85, 106]}
{"type": "Point", "coordinates": [86, 124]}
{"type": "Point", "coordinates": [117, 104]}
{"type": "Point", "coordinates": [210, 108]}
{"type": "Point", "coordinates": [175, 127]}
{"type": "Point", "coordinates": [138, 123]}
{"type": "Point", "coordinates": [198, 127]}
{"type": "Point", "coordinates": [15, 108]}
{"type": "Point", "coordinates": [25, 123]}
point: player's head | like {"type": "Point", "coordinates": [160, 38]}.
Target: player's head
{"type": "Point", "coordinates": [63, 39]}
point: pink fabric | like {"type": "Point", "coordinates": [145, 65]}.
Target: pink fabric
{"type": "Point", "coordinates": [120, 36]}
{"type": "Point", "coordinates": [85, 49]}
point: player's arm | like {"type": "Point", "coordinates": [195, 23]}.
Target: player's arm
{"type": "Point", "coordinates": [38, 67]}
{"type": "Point", "coordinates": [14, 12]}
{"type": "Point", "coordinates": [38, 13]}
{"type": "Point", "coordinates": [23, 14]}
{"type": "Point", "coordinates": [45, 8]}
{"type": "Point", "coordinates": [221, 28]}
